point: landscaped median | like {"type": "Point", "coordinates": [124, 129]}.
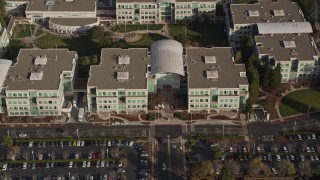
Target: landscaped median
{"type": "Point", "coordinates": [61, 160]}
{"type": "Point", "coordinates": [215, 137]}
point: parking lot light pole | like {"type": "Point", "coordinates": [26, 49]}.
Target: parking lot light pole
{"type": "Point", "coordinates": [294, 127]}
{"type": "Point", "coordinates": [78, 133]}
{"type": "Point", "coordinates": [32, 155]}
{"type": "Point", "coordinates": [108, 153]}
{"type": "Point", "coordinates": [223, 130]}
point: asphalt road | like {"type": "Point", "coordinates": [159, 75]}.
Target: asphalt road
{"type": "Point", "coordinates": [161, 131]}
{"type": "Point", "coordinates": [84, 130]}
{"type": "Point", "coordinates": [215, 129]}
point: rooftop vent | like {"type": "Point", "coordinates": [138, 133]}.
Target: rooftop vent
{"type": "Point", "coordinates": [212, 74]}
{"type": "Point", "coordinates": [36, 76]}
{"type": "Point", "coordinates": [122, 76]}
{"type": "Point", "coordinates": [253, 13]}
{"type": "Point", "coordinates": [40, 60]}
{"type": "Point", "coordinates": [210, 59]}
{"type": "Point", "coordinates": [69, 0]}
{"type": "Point", "coordinates": [49, 2]}
{"type": "Point", "coordinates": [124, 59]}
{"type": "Point", "coordinates": [289, 44]}
{"type": "Point", "coordinates": [278, 12]}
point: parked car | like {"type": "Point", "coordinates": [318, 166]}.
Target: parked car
{"type": "Point", "coordinates": [70, 164]}
{"type": "Point", "coordinates": [5, 166]}
{"type": "Point", "coordinates": [84, 164]}
{"type": "Point", "coordinates": [24, 166]}
{"type": "Point", "coordinates": [131, 143]}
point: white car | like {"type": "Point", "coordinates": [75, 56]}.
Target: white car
{"type": "Point", "coordinates": [278, 157]}
{"type": "Point", "coordinates": [5, 166]}
{"type": "Point", "coordinates": [70, 164]}
{"type": "Point", "coordinates": [102, 163]}
{"type": "Point", "coordinates": [231, 149]}
{"type": "Point", "coordinates": [258, 149]}
{"type": "Point", "coordinates": [84, 164]}
{"type": "Point", "coordinates": [164, 167]}
{"type": "Point", "coordinates": [313, 136]}
{"type": "Point", "coordinates": [24, 166]}
{"type": "Point", "coordinates": [120, 163]}
{"type": "Point", "coordinates": [88, 163]}
{"type": "Point", "coordinates": [78, 143]}
{"type": "Point", "coordinates": [30, 144]}
{"type": "Point", "coordinates": [76, 156]}
{"type": "Point", "coordinates": [308, 149]}
{"type": "Point", "coordinates": [109, 143]}
{"type": "Point", "coordinates": [82, 143]}
{"type": "Point", "coordinates": [22, 134]}
{"type": "Point", "coordinates": [131, 143]}
{"type": "Point", "coordinates": [105, 177]}
{"type": "Point", "coordinates": [274, 171]}
{"type": "Point", "coordinates": [40, 156]}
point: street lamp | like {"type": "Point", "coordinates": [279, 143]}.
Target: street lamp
{"type": "Point", "coordinates": [78, 133]}
{"type": "Point", "coordinates": [309, 110]}
{"type": "Point", "coordinates": [168, 136]}
{"type": "Point", "coordinates": [294, 127]}
{"type": "Point", "coordinates": [32, 155]}
{"type": "Point", "coordinates": [108, 153]}
{"type": "Point", "coordinates": [8, 132]}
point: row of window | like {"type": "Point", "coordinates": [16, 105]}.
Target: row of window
{"type": "Point", "coordinates": [228, 100]}
{"type": "Point", "coordinates": [228, 105]}
{"type": "Point", "coordinates": [17, 102]}
{"type": "Point", "coordinates": [129, 107]}
{"type": "Point", "coordinates": [48, 102]}
{"type": "Point", "coordinates": [199, 100]}
{"type": "Point", "coordinates": [122, 93]}
{"type": "Point", "coordinates": [27, 94]}
{"type": "Point", "coordinates": [35, 113]}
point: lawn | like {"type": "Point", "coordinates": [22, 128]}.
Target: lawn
{"type": "Point", "coordinates": [23, 30]}
{"type": "Point", "coordinates": [83, 45]}
{"type": "Point", "coordinates": [14, 48]}
{"type": "Point", "coordinates": [299, 101]}
{"type": "Point", "coordinates": [212, 34]}
{"type": "Point", "coordinates": [146, 40]}
{"type": "Point", "coordinates": [129, 28]}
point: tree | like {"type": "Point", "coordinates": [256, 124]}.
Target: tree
{"type": "Point", "coordinates": [96, 32]}
{"type": "Point", "coordinates": [119, 44]}
{"type": "Point", "coordinates": [226, 173]}
{"type": "Point", "coordinates": [266, 77]}
{"type": "Point", "coordinates": [233, 166]}
{"type": "Point", "coordinates": [13, 152]}
{"type": "Point", "coordinates": [285, 168]}
{"type": "Point", "coordinates": [25, 155]}
{"type": "Point", "coordinates": [85, 61]}
{"type": "Point", "coordinates": [275, 80]}
{"type": "Point", "coordinates": [7, 140]}
{"type": "Point", "coordinates": [256, 166]}
{"type": "Point", "coordinates": [202, 169]}
{"type": "Point", "coordinates": [220, 9]}
{"type": "Point", "coordinates": [310, 10]}
{"type": "Point", "coordinates": [304, 168]}
{"type": "Point", "coordinates": [217, 153]}
{"type": "Point", "coordinates": [238, 57]}
{"type": "Point", "coordinates": [94, 60]}
{"type": "Point", "coordinates": [316, 170]}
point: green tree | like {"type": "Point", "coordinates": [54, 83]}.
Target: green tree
{"type": "Point", "coordinates": [119, 44]}
{"type": "Point", "coordinates": [202, 169]}
{"type": "Point", "coordinates": [96, 32]}
{"type": "Point", "coordinates": [275, 80]}
{"type": "Point", "coordinates": [266, 77]}
{"type": "Point", "coordinates": [217, 153]}
{"type": "Point", "coordinates": [285, 168]}
{"type": "Point", "coordinates": [238, 57]}
{"type": "Point", "coordinates": [310, 10]}
{"type": "Point", "coordinates": [85, 61]}
{"type": "Point", "coordinates": [226, 173]}
{"type": "Point", "coordinates": [7, 140]}
{"type": "Point", "coordinates": [256, 166]}
{"type": "Point", "coordinates": [248, 106]}
{"type": "Point", "coordinates": [94, 60]}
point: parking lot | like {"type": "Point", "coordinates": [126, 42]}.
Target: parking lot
{"type": "Point", "coordinates": [298, 147]}
{"type": "Point", "coordinates": [74, 159]}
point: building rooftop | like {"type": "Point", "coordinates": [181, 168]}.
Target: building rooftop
{"type": "Point", "coordinates": [73, 21]}
{"type": "Point", "coordinates": [162, 1]}
{"type": "Point", "coordinates": [285, 46]}
{"type": "Point", "coordinates": [25, 74]}
{"type": "Point", "coordinates": [266, 11]}
{"type": "Point", "coordinates": [4, 68]}
{"type": "Point", "coordinates": [120, 68]}
{"type": "Point", "coordinates": [61, 5]}
{"type": "Point", "coordinates": [285, 27]}
{"type": "Point", "coordinates": [213, 67]}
